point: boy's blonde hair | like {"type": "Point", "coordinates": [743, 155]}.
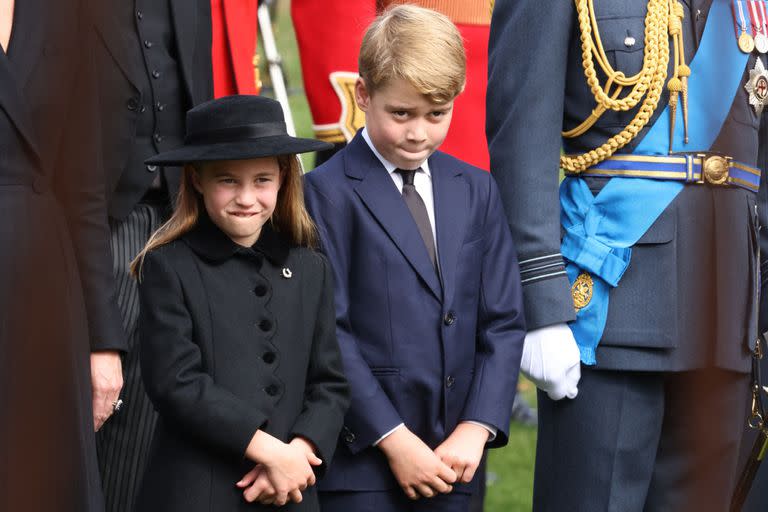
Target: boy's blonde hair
{"type": "Point", "coordinates": [289, 218]}
{"type": "Point", "coordinates": [418, 45]}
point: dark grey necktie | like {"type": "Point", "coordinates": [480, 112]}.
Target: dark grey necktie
{"type": "Point", "coordinates": [419, 211]}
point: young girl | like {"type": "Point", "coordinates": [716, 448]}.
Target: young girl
{"type": "Point", "coordinates": [237, 330]}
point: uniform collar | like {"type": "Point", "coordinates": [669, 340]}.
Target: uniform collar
{"type": "Point", "coordinates": [211, 243]}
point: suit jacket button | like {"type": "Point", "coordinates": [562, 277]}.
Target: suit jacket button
{"type": "Point", "coordinates": [449, 381]}
{"type": "Point", "coordinates": [265, 325]}
{"type": "Point", "coordinates": [449, 318]}
{"type": "Point", "coordinates": [260, 290]}
{"type": "Point", "coordinates": [132, 104]}
{"type": "Point", "coordinates": [272, 390]}
{"type": "Point", "coordinates": [269, 357]}
{"type": "Point", "coordinates": [349, 437]}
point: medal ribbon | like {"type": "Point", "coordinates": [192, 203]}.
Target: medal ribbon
{"type": "Point", "coordinates": [740, 21]}
{"type": "Point", "coordinates": [763, 17]}
{"type": "Point", "coordinates": [755, 16]}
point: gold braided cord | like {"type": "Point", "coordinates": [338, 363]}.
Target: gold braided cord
{"type": "Point", "coordinates": [662, 23]}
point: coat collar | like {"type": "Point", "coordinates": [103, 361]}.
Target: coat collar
{"type": "Point", "coordinates": [211, 243]}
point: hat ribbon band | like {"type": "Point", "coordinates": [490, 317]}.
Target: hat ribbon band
{"type": "Point", "coordinates": [234, 133]}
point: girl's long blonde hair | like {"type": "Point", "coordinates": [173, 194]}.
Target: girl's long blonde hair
{"type": "Point", "coordinates": [289, 218]}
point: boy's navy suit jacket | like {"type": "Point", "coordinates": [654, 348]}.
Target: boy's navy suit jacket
{"type": "Point", "coordinates": [418, 348]}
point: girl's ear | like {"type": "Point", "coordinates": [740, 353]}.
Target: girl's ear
{"type": "Point", "coordinates": [194, 174]}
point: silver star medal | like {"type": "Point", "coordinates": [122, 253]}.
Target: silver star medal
{"type": "Point", "coordinates": [757, 86]}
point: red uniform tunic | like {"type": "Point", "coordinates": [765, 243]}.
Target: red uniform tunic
{"type": "Point", "coordinates": [234, 24]}
{"type": "Point", "coordinates": [329, 35]}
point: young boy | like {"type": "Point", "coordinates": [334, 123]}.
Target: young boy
{"type": "Point", "coordinates": [428, 295]}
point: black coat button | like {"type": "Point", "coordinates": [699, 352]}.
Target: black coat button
{"type": "Point", "coordinates": [265, 325]}
{"type": "Point", "coordinates": [159, 106]}
{"type": "Point", "coordinates": [272, 390]}
{"type": "Point", "coordinates": [151, 168]}
{"type": "Point", "coordinates": [155, 74]}
{"type": "Point", "coordinates": [139, 14]}
{"type": "Point", "coordinates": [132, 104]}
{"type": "Point", "coordinates": [269, 357]}
{"type": "Point", "coordinates": [449, 318]}
{"type": "Point", "coordinates": [349, 437]}
{"type": "Point", "coordinates": [147, 44]}
{"type": "Point", "coordinates": [260, 290]}
{"type": "Point", "coordinates": [158, 138]}
{"type": "Point", "coordinates": [449, 381]}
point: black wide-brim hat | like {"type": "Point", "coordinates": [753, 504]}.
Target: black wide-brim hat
{"type": "Point", "coordinates": [236, 128]}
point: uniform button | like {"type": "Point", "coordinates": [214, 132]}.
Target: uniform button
{"type": "Point", "coordinates": [449, 318]}
{"type": "Point", "coordinates": [159, 106]}
{"type": "Point", "coordinates": [155, 74]}
{"type": "Point", "coordinates": [260, 290]}
{"type": "Point", "coordinates": [151, 168]}
{"type": "Point", "coordinates": [158, 138]}
{"type": "Point", "coordinates": [132, 104]}
{"type": "Point", "coordinates": [265, 325]}
{"type": "Point", "coordinates": [143, 108]}
{"type": "Point", "coordinates": [139, 14]}
{"type": "Point", "coordinates": [349, 437]}
{"type": "Point", "coordinates": [269, 357]}
{"type": "Point", "coordinates": [449, 381]}
{"type": "Point", "coordinates": [272, 390]}
{"type": "Point", "coordinates": [147, 44]}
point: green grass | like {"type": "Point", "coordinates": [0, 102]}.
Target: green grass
{"type": "Point", "coordinates": [510, 482]}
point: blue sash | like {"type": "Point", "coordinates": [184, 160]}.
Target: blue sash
{"type": "Point", "coordinates": [600, 231]}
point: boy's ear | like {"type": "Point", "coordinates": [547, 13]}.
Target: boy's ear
{"type": "Point", "coordinates": [362, 95]}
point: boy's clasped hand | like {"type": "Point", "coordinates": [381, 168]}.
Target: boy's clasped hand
{"type": "Point", "coordinates": [423, 473]}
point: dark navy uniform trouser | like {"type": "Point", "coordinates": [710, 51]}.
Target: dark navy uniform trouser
{"type": "Point", "coordinates": [641, 442]}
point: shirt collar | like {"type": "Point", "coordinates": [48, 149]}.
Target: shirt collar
{"type": "Point", "coordinates": [211, 243]}
{"type": "Point", "coordinates": [389, 166]}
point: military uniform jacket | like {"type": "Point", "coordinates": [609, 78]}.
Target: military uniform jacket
{"type": "Point", "coordinates": [230, 345]}
{"type": "Point", "coordinates": [688, 298]}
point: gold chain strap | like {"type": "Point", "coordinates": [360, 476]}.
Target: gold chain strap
{"type": "Point", "coordinates": [662, 22]}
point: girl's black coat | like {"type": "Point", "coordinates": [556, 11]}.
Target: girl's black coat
{"type": "Point", "coordinates": [233, 340]}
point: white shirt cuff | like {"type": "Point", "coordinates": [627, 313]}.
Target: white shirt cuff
{"type": "Point", "coordinates": [376, 443]}
{"type": "Point", "coordinates": [490, 428]}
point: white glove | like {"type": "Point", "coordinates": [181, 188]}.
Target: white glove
{"type": "Point", "coordinates": [551, 360]}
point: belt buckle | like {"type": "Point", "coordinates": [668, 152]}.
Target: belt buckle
{"type": "Point", "coordinates": [715, 168]}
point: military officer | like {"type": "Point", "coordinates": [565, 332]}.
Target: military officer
{"type": "Point", "coordinates": [640, 270]}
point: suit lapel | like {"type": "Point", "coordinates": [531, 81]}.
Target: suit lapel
{"type": "Point", "coordinates": [116, 42]}
{"type": "Point", "coordinates": [451, 207]}
{"type": "Point", "coordinates": [380, 196]}
{"type": "Point", "coordinates": [31, 31]}
{"type": "Point", "coordinates": [26, 46]}
{"type": "Point", "coordinates": [185, 26]}
{"type": "Point", "coordinates": [11, 100]}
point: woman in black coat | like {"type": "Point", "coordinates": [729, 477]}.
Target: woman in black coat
{"type": "Point", "coordinates": [55, 270]}
{"type": "Point", "coordinates": [237, 325]}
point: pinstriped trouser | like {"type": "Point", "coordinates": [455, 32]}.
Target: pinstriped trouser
{"type": "Point", "coordinates": [123, 442]}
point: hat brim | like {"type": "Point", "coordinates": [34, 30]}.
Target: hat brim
{"type": "Point", "coordinates": [239, 150]}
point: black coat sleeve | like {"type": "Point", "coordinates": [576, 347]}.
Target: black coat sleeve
{"type": "Point", "coordinates": [327, 393]}
{"type": "Point", "coordinates": [80, 186]}
{"type": "Point", "coordinates": [171, 365]}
